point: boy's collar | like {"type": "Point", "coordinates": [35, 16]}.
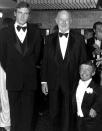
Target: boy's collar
{"type": "Point", "coordinates": [16, 24]}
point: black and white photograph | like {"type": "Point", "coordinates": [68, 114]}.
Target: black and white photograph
{"type": "Point", "coordinates": [50, 65]}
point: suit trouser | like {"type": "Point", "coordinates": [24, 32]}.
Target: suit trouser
{"type": "Point", "coordinates": [89, 124]}
{"type": "Point", "coordinates": [59, 110]}
{"type": "Point", "coordinates": [21, 109]}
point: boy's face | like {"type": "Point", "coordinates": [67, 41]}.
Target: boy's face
{"type": "Point", "coordinates": [86, 72]}
{"type": "Point", "coordinates": [22, 15]}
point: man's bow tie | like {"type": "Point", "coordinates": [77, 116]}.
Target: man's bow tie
{"type": "Point", "coordinates": [23, 28]}
{"type": "Point", "coordinates": [63, 34]}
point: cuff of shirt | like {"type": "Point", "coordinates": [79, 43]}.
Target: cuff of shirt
{"type": "Point", "coordinates": [43, 82]}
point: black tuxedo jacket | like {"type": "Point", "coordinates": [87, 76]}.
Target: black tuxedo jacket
{"type": "Point", "coordinates": [90, 100]}
{"type": "Point", "coordinates": [20, 66]}
{"type": "Point", "coordinates": [57, 71]}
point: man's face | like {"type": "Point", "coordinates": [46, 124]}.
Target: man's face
{"type": "Point", "coordinates": [86, 72]}
{"type": "Point", "coordinates": [63, 20]}
{"type": "Point", "coordinates": [22, 15]}
{"type": "Point", "coordinates": [98, 32]}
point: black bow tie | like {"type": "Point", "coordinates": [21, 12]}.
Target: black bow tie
{"type": "Point", "coordinates": [63, 34]}
{"type": "Point", "coordinates": [23, 28]}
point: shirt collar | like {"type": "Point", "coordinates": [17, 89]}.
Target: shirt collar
{"type": "Point", "coordinates": [65, 32]}
{"type": "Point", "coordinates": [16, 24]}
{"type": "Point", "coordinates": [88, 81]}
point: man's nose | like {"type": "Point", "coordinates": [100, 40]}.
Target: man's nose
{"type": "Point", "coordinates": [64, 22]}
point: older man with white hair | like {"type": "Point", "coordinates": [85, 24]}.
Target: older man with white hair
{"type": "Point", "coordinates": [64, 52]}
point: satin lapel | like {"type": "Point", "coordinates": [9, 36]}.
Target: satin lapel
{"type": "Point", "coordinates": [58, 55]}
{"type": "Point", "coordinates": [26, 44]}
{"type": "Point", "coordinates": [30, 38]}
{"type": "Point", "coordinates": [54, 50]}
{"type": "Point", "coordinates": [14, 40]}
{"type": "Point", "coordinates": [86, 98]}
{"type": "Point", "coordinates": [71, 42]}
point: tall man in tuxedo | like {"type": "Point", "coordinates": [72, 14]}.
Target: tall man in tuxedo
{"type": "Point", "coordinates": [64, 51]}
{"type": "Point", "coordinates": [19, 54]}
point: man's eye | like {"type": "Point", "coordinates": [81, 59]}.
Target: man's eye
{"type": "Point", "coordinates": [27, 13]}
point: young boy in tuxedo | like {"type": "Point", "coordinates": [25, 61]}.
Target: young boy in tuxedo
{"type": "Point", "coordinates": [87, 100]}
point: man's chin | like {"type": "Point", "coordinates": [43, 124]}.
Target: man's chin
{"type": "Point", "coordinates": [84, 79]}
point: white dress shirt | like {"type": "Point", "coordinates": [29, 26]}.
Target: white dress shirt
{"type": "Point", "coordinates": [82, 86]}
{"type": "Point", "coordinates": [63, 43]}
{"type": "Point", "coordinates": [21, 34]}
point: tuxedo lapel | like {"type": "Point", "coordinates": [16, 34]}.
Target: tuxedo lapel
{"type": "Point", "coordinates": [59, 53]}
{"type": "Point", "coordinates": [87, 96]}
{"type": "Point", "coordinates": [70, 44]}
{"type": "Point", "coordinates": [55, 51]}
{"type": "Point", "coordinates": [26, 47]}
{"type": "Point", "coordinates": [14, 39]}
{"type": "Point", "coordinates": [59, 57]}
{"type": "Point", "coordinates": [17, 45]}
{"type": "Point", "coordinates": [30, 35]}
{"type": "Point", "coordinates": [28, 38]}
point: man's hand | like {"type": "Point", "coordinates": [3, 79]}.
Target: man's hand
{"type": "Point", "coordinates": [96, 46]}
{"type": "Point", "coordinates": [92, 113]}
{"type": "Point", "coordinates": [97, 50]}
{"type": "Point", "coordinates": [44, 88]}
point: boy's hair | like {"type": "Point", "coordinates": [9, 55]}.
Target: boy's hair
{"type": "Point", "coordinates": [22, 4]}
{"type": "Point", "coordinates": [90, 63]}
